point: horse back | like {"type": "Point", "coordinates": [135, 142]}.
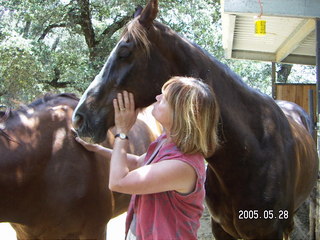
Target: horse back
{"type": "Point", "coordinates": [306, 158]}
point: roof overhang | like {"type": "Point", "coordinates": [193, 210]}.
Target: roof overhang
{"type": "Point", "coordinates": [290, 30]}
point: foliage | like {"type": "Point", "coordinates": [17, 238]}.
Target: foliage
{"type": "Point", "coordinates": [255, 74]}
{"type": "Point", "coordinates": [60, 45]}
{"type": "Point", "coordinates": [302, 74]}
{"type": "Point", "coordinates": [19, 69]}
{"type": "Point", "coordinates": [198, 21]}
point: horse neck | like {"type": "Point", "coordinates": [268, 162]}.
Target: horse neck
{"type": "Point", "coordinates": [233, 95]}
{"type": "Point", "coordinates": [27, 147]}
{"type": "Point", "coordinates": [191, 60]}
{"type": "Point", "coordinates": [23, 132]}
{"type": "Point", "coordinates": [19, 164]}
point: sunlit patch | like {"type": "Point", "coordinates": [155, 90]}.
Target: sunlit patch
{"type": "Point", "coordinates": [59, 113]}
{"type": "Point", "coordinates": [30, 111]}
{"type": "Point", "coordinates": [2, 126]}
{"type": "Point", "coordinates": [19, 175]}
{"type": "Point", "coordinates": [289, 110]}
{"type": "Point", "coordinates": [88, 140]}
{"type": "Point", "coordinates": [28, 122]}
{"type": "Point", "coordinates": [31, 137]}
{"type": "Point", "coordinates": [146, 116]}
{"type": "Point", "coordinates": [59, 137]}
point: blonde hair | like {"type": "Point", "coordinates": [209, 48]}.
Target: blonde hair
{"type": "Point", "coordinates": [195, 115]}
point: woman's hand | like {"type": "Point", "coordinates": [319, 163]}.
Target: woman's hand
{"type": "Point", "coordinates": [125, 113]}
{"type": "Point", "coordinates": [90, 147]}
{"type": "Point", "coordinates": [105, 152]}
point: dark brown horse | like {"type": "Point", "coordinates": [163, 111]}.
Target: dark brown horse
{"type": "Point", "coordinates": [266, 165]}
{"type": "Point", "coordinates": [50, 186]}
{"type": "Point", "coordinates": [298, 117]}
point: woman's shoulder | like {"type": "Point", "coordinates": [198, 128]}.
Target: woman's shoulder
{"type": "Point", "coordinates": [171, 151]}
{"type": "Point", "coordinates": [171, 147]}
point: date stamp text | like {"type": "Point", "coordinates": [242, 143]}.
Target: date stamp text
{"type": "Point", "coordinates": [266, 214]}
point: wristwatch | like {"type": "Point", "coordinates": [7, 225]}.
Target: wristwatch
{"type": "Point", "coordinates": [122, 136]}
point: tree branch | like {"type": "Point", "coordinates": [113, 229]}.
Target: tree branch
{"type": "Point", "coordinates": [55, 81]}
{"type": "Point", "coordinates": [110, 30]}
{"type": "Point", "coordinates": [49, 28]}
{"type": "Point", "coordinates": [86, 23]}
{"type": "Point", "coordinates": [2, 93]}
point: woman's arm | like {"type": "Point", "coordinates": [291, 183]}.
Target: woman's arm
{"type": "Point", "coordinates": [126, 173]}
{"type": "Point", "coordinates": [168, 175]}
{"type": "Point", "coordinates": [133, 161]}
{"type": "Point", "coordinates": [159, 177]}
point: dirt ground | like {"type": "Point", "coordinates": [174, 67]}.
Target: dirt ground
{"type": "Point", "coordinates": [204, 232]}
{"type": "Point", "coordinates": [116, 227]}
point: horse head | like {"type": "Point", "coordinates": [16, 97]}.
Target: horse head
{"type": "Point", "coordinates": [140, 63]}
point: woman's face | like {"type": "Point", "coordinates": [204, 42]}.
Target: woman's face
{"type": "Point", "coordinates": [162, 112]}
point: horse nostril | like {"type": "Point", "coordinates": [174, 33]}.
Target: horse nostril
{"type": "Point", "coordinates": [77, 121]}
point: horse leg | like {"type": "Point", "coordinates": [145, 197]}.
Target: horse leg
{"type": "Point", "coordinates": [95, 233]}
{"type": "Point", "coordinates": [219, 233]}
{"type": "Point", "coordinates": [103, 235]}
{"type": "Point", "coordinates": [278, 235]}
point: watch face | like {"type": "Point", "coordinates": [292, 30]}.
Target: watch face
{"type": "Point", "coordinates": [121, 136]}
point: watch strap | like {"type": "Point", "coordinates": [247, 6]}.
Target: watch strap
{"type": "Point", "coordinates": [121, 136]}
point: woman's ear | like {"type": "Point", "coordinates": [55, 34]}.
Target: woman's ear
{"type": "Point", "coordinates": [149, 13]}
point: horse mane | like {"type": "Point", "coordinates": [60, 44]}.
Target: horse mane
{"type": "Point", "coordinates": [135, 31]}
{"type": "Point", "coordinates": [50, 96]}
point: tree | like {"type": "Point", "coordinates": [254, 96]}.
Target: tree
{"type": "Point", "coordinates": [60, 45]}
{"type": "Point", "coordinates": [283, 72]}
{"type": "Point", "coordinates": [53, 28]}
{"type": "Point", "coordinates": [55, 44]}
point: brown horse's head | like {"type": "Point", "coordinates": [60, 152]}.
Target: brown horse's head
{"type": "Point", "coordinates": [140, 63]}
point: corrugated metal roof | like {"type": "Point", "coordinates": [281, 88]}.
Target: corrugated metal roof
{"type": "Point", "coordinates": [287, 39]}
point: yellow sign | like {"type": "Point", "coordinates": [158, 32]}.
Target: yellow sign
{"type": "Point", "coordinates": [260, 27]}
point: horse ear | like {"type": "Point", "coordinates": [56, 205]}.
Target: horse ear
{"type": "Point", "coordinates": [138, 11]}
{"type": "Point", "coordinates": [149, 13]}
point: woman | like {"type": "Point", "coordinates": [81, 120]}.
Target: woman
{"type": "Point", "coordinates": [166, 183]}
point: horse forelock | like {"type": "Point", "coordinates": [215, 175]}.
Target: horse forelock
{"type": "Point", "coordinates": [138, 33]}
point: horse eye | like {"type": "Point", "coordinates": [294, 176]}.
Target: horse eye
{"type": "Point", "coordinates": [123, 52]}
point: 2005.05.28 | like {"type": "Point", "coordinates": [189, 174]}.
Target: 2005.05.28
{"type": "Point", "coordinates": [266, 214]}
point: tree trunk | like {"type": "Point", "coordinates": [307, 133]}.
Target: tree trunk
{"type": "Point", "coordinates": [283, 73]}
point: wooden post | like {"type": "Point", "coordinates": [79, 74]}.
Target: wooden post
{"type": "Point", "coordinates": [273, 78]}
{"type": "Point", "coordinates": [317, 191]}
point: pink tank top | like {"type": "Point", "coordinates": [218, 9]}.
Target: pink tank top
{"type": "Point", "coordinates": [169, 215]}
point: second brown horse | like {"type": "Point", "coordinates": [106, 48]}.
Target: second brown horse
{"type": "Point", "coordinates": [50, 186]}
